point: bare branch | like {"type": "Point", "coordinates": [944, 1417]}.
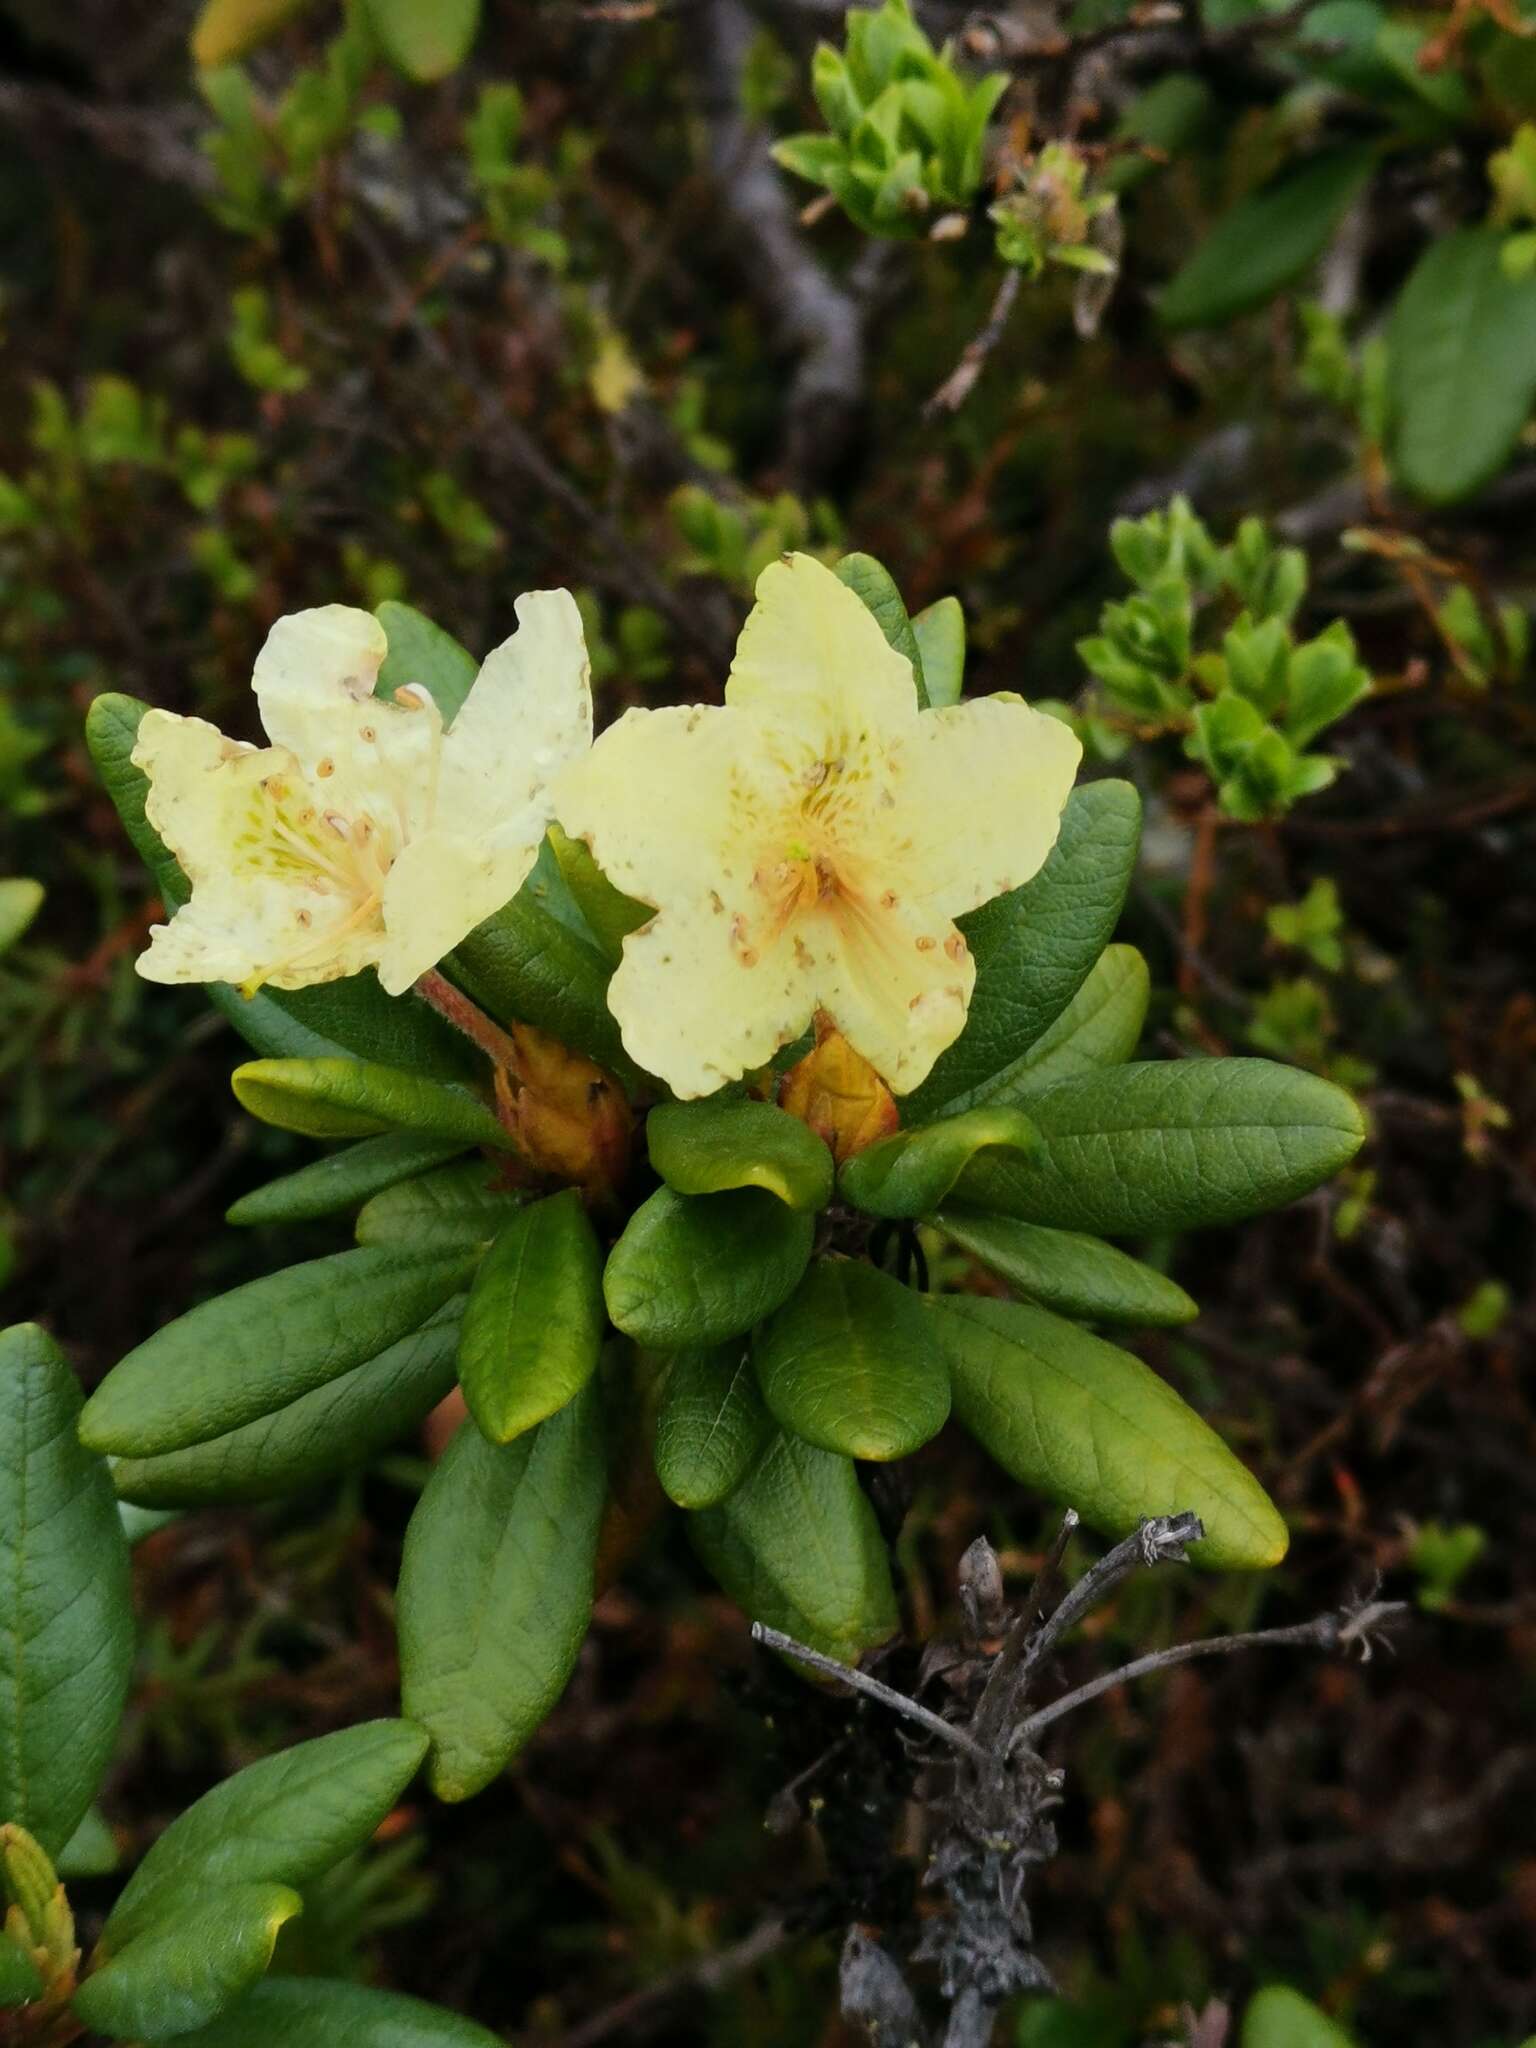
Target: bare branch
{"type": "Point", "coordinates": [860, 1681]}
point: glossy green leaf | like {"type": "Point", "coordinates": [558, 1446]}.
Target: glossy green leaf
{"type": "Point", "coordinates": [427, 39]}
{"type": "Point", "coordinates": [940, 635]}
{"type": "Point", "coordinates": [461, 1206]}
{"type": "Point", "coordinates": [851, 1363]}
{"type": "Point", "coordinates": [20, 1982]}
{"type": "Point", "coordinates": [20, 901]}
{"type": "Point", "coordinates": [422, 653]}
{"type": "Point", "coordinates": [337, 1428]}
{"type": "Point", "coordinates": [314, 2012]}
{"type": "Point", "coordinates": [496, 1589]}
{"type": "Point", "coordinates": [352, 1016]}
{"type": "Point", "coordinates": [1035, 947]}
{"type": "Point", "coordinates": [710, 1424]}
{"type": "Point", "coordinates": [797, 1546]}
{"type": "Point", "coordinates": [707, 1148]}
{"type": "Point", "coordinates": [356, 1099]}
{"type": "Point", "coordinates": [873, 584]}
{"type": "Point", "coordinates": [66, 1611]}
{"type": "Point", "coordinates": [342, 1179]}
{"type": "Point", "coordinates": [1172, 1145]}
{"type": "Point", "coordinates": [608, 913]}
{"type": "Point", "coordinates": [533, 1330]}
{"type": "Point", "coordinates": [1278, 2017]}
{"type": "Point", "coordinates": [1267, 241]}
{"type": "Point", "coordinates": [1092, 1428]}
{"type": "Point", "coordinates": [528, 963]}
{"type": "Point", "coordinates": [91, 1850]}
{"type": "Point", "coordinates": [909, 1174]}
{"type": "Point", "coordinates": [1081, 1276]}
{"type": "Point", "coordinates": [693, 1270]}
{"type": "Point", "coordinates": [283, 1821]}
{"type": "Point", "coordinates": [1461, 364]}
{"type": "Point", "coordinates": [179, 1973]}
{"type": "Point", "coordinates": [254, 1350]}
{"type": "Point", "coordinates": [1100, 1027]}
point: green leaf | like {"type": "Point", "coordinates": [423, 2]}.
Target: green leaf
{"type": "Point", "coordinates": [91, 1850]}
{"type": "Point", "coordinates": [337, 1428]}
{"type": "Point", "coordinates": [66, 1612]}
{"type": "Point", "coordinates": [873, 584]}
{"type": "Point", "coordinates": [1172, 1145]}
{"type": "Point", "coordinates": [1267, 240]}
{"type": "Point", "coordinates": [1081, 1276]}
{"type": "Point", "coordinates": [457, 1207]}
{"type": "Point", "coordinates": [797, 1546]}
{"type": "Point", "coordinates": [254, 1350]}
{"type": "Point", "coordinates": [342, 1179]}
{"type": "Point", "coordinates": [533, 1330]}
{"type": "Point", "coordinates": [707, 1148]}
{"type": "Point", "coordinates": [496, 1589]}
{"type": "Point", "coordinates": [422, 653]}
{"type": "Point", "coordinates": [693, 1270]}
{"type": "Point", "coordinates": [1100, 1027]}
{"type": "Point", "coordinates": [1093, 1428]}
{"type": "Point", "coordinates": [710, 1424]}
{"type": "Point", "coordinates": [351, 1016]}
{"type": "Point", "coordinates": [607, 912]}
{"type": "Point", "coordinates": [1461, 365]}
{"type": "Point", "coordinates": [909, 1174]}
{"type": "Point", "coordinates": [312, 2012]}
{"type": "Point", "coordinates": [356, 1099]}
{"type": "Point", "coordinates": [1279, 2017]}
{"type": "Point", "coordinates": [20, 901]}
{"type": "Point", "coordinates": [283, 1821]}
{"type": "Point", "coordinates": [940, 636]}
{"type": "Point", "coordinates": [179, 1973]}
{"type": "Point", "coordinates": [227, 30]}
{"type": "Point", "coordinates": [20, 1982]}
{"type": "Point", "coordinates": [425, 42]}
{"type": "Point", "coordinates": [1035, 947]}
{"type": "Point", "coordinates": [850, 1363]}
{"type": "Point", "coordinates": [529, 964]}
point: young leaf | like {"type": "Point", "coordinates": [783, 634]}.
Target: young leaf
{"type": "Point", "coordinates": [1267, 240]}
{"type": "Point", "coordinates": [908, 1175]}
{"type": "Point", "coordinates": [1461, 365]}
{"type": "Point", "coordinates": [850, 1363]}
{"type": "Point", "coordinates": [940, 635]}
{"type": "Point", "coordinates": [710, 1424]}
{"type": "Point", "coordinates": [1278, 2017]}
{"type": "Point", "coordinates": [314, 2012]}
{"type": "Point", "coordinates": [342, 1179]}
{"type": "Point", "coordinates": [181, 1972]}
{"type": "Point", "coordinates": [337, 1428]}
{"type": "Point", "coordinates": [534, 1326]}
{"type": "Point", "coordinates": [422, 653]}
{"type": "Point", "coordinates": [707, 1148]}
{"type": "Point", "coordinates": [256, 1349]}
{"type": "Point", "coordinates": [695, 1270]}
{"type": "Point", "coordinates": [797, 1546]}
{"type": "Point", "coordinates": [1093, 1428]}
{"type": "Point", "coordinates": [1172, 1145]}
{"type": "Point", "coordinates": [457, 1207]}
{"type": "Point", "coordinates": [1100, 1027]}
{"type": "Point", "coordinates": [66, 1613]}
{"type": "Point", "coordinates": [1035, 947]}
{"type": "Point", "coordinates": [356, 1099]}
{"type": "Point", "coordinates": [1081, 1276]}
{"type": "Point", "coordinates": [496, 1589]}
{"type": "Point", "coordinates": [427, 43]}
{"type": "Point", "coordinates": [872, 583]}
{"type": "Point", "coordinates": [20, 901]}
{"type": "Point", "coordinates": [283, 1821]}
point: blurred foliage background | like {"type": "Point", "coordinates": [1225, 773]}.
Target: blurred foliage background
{"type": "Point", "coordinates": [305, 303]}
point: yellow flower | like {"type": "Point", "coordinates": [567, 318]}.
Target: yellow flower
{"type": "Point", "coordinates": [808, 845]}
{"type": "Point", "coordinates": [364, 835]}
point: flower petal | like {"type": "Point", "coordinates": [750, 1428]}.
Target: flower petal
{"type": "Point", "coordinates": [441, 886]}
{"type": "Point", "coordinates": [699, 1008]}
{"type": "Point", "coordinates": [528, 714]}
{"type": "Point", "coordinates": [896, 982]}
{"type": "Point", "coordinates": [368, 756]}
{"type": "Point", "coordinates": [979, 792]}
{"type": "Point", "coordinates": [812, 656]}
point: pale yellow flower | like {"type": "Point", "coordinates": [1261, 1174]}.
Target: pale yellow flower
{"type": "Point", "coordinates": [809, 844]}
{"type": "Point", "coordinates": [364, 835]}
